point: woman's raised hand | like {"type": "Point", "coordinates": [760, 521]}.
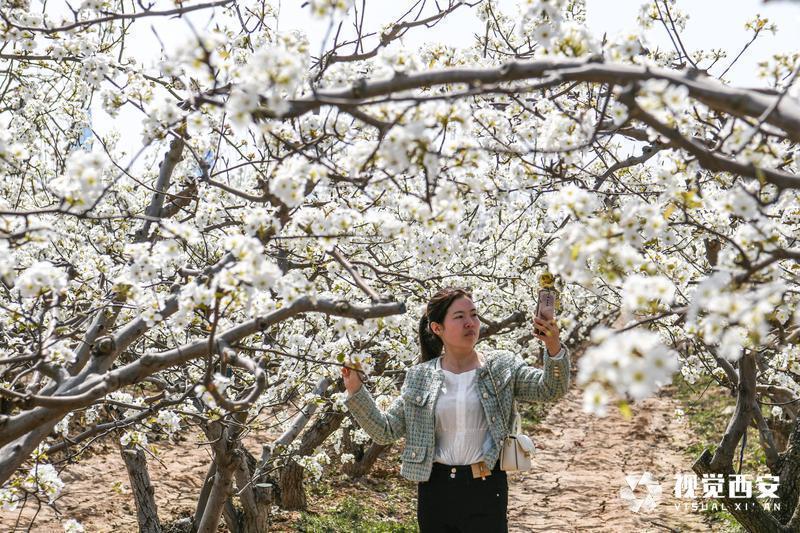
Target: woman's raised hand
{"type": "Point", "coordinates": [352, 380]}
{"type": "Point", "coordinates": [550, 334]}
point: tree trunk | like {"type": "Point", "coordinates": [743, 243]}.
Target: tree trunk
{"type": "Point", "coordinates": [747, 511]}
{"type": "Point", "coordinates": [205, 490]}
{"type": "Point", "coordinates": [220, 491]}
{"type": "Point", "coordinates": [142, 489]}
{"type": "Point", "coordinates": [293, 493]}
{"type": "Point", "coordinates": [291, 479]}
{"type": "Point", "coordinates": [255, 499]}
{"type": "Point", "coordinates": [789, 472]}
{"type": "Point", "coordinates": [222, 485]}
{"type": "Point", "coordinates": [366, 462]}
{"type": "Point", "coordinates": [751, 515]}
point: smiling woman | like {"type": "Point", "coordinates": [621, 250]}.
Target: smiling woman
{"type": "Point", "coordinates": [453, 417]}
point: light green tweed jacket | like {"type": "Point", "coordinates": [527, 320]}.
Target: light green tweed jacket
{"type": "Point", "coordinates": [411, 414]}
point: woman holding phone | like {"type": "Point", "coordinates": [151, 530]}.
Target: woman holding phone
{"type": "Point", "coordinates": [450, 410]}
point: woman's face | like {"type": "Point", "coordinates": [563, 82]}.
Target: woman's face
{"type": "Point", "coordinates": [461, 326]}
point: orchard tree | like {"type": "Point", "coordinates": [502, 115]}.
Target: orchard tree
{"type": "Point", "coordinates": [279, 211]}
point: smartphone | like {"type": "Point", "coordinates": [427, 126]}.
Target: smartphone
{"type": "Point", "coordinates": [545, 306]}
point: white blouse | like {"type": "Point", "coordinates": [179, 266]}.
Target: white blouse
{"type": "Point", "coordinates": [462, 433]}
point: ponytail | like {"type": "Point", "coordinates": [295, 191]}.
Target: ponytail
{"type": "Point", "coordinates": [430, 345]}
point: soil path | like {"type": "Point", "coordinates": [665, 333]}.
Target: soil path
{"type": "Point", "coordinates": [581, 464]}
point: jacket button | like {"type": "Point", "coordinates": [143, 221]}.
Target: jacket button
{"type": "Point", "coordinates": [494, 418]}
{"type": "Point", "coordinates": [419, 398]}
{"type": "Point", "coordinates": [413, 454]}
{"type": "Point", "coordinates": [485, 394]}
{"type": "Point", "coordinates": [453, 470]}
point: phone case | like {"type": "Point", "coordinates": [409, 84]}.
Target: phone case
{"type": "Point", "coordinates": [545, 305]}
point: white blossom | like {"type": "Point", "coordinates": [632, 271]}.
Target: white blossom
{"type": "Point", "coordinates": [43, 479]}
{"type": "Point", "coordinates": [82, 183]}
{"type": "Point", "coordinates": [40, 278]}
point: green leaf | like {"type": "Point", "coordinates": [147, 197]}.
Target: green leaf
{"type": "Point", "coordinates": [625, 410]}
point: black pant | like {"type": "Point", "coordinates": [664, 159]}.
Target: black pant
{"type": "Point", "coordinates": [462, 503]}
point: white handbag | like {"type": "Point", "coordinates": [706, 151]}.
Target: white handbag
{"type": "Point", "coordinates": [518, 449]}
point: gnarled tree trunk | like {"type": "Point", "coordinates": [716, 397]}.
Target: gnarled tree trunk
{"type": "Point", "coordinates": [142, 489]}
{"type": "Point", "coordinates": [291, 480]}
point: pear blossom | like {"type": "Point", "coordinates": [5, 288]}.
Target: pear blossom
{"type": "Point", "coordinates": [42, 478]}
{"type": "Point", "coordinates": [40, 278]}
{"type": "Point", "coordinates": [73, 526]}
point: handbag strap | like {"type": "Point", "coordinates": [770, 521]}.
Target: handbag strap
{"type": "Point", "coordinates": [494, 385]}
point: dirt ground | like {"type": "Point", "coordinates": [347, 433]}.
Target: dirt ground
{"type": "Point", "coordinates": [581, 465]}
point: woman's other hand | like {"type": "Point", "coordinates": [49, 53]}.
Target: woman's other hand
{"type": "Point", "coordinates": [352, 380]}
{"type": "Point", "coordinates": [549, 334]}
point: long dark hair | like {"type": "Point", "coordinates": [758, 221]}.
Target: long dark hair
{"type": "Point", "coordinates": [430, 345]}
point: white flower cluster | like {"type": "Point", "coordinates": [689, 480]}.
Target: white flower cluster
{"type": "Point", "coordinates": [663, 100]}
{"type": "Point", "coordinates": [133, 438]}
{"type": "Point", "coordinates": [625, 46]}
{"type": "Point", "coordinates": [150, 307]}
{"type": "Point", "coordinates": [329, 8]}
{"type": "Point", "coordinates": [91, 414]}
{"type": "Point", "coordinates": [259, 219]}
{"type": "Point", "coordinates": [398, 58]}
{"type": "Point", "coordinates": [43, 479]}
{"type": "Point", "coordinates": [72, 526]}
{"type": "Point", "coordinates": [220, 383]}
{"type": "Point", "coordinates": [163, 114]}
{"type": "Point", "coordinates": [82, 183]}
{"type": "Point", "coordinates": [126, 397]}
{"type": "Point", "coordinates": [9, 498]}
{"type": "Point", "coordinates": [647, 293]}
{"type": "Point", "coordinates": [199, 57]}
{"type": "Point", "coordinates": [738, 202]}
{"type": "Point", "coordinates": [586, 250]}
{"type": "Point", "coordinates": [93, 5]}
{"type": "Point", "coordinates": [252, 267]}
{"type": "Point", "coordinates": [566, 133]}
{"type": "Point", "coordinates": [169, 421]}
{"type": "Point", "coordinates": [641, 221]}
{"type": "Point", "coordinates": [40, 278]}
{"type": "Point", "coordinates": [360, 360]}
{"type": "Point", "coordinates": [404, 145]}
{"type": "Point", "coordinates": [273, 73]}
{"type": "Point", "coordinates": [148, 262]}
{"type": "Point", "coordinates": [552, 9]}
{"type": "Point", "coordinates": [62, 427]}
{"type": "Point", "coordinates": [545, 23]}
{"type": "Point", "coordinates": [12, 151]}
{"type": "Point", "coordinates": [191, 297]}
{"type": "Point", "coordinates": [290, 179]}
{"type": "Point", "coordinates": [181, 230]}
{"type": "Point", "coordinates": [634, 363]}
{"type": "Point", "coordinates": [24, 40]}
{"type": "Point", "coordinates": [295, 285]}
{"type": "Point", "coordinates": [7, 262]}
{"type": "Point", "coordinates": [433, 250]}
{"type": "Point", "coordinates": [314, 463]}
{"type": "Point", "coordinates": [95, 68]}
{"type": "Point", "coordinates": [572, 199]}
{"type": "Point", "coordinates": [734, 320]}
{"type": "Point", "coordinates": [59, 354]}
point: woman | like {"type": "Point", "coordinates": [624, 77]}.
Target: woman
{"type": "Point", "coordinates": [452, 416]}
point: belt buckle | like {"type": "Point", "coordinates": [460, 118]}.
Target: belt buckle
{"type": "Point", "coordinates": [480, 470]}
